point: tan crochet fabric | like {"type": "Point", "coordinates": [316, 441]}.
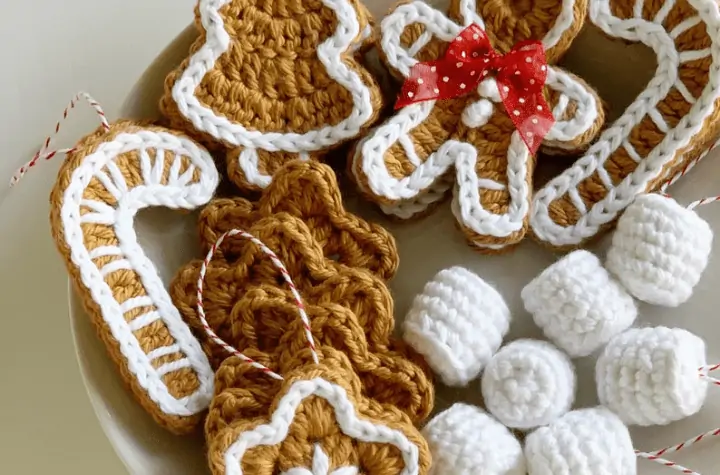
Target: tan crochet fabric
{"type": "Point", "coordinates": [505, 25]}
{"type": "Point", "coordinates": [310, 192]}
{"type": "Point", "coordinates": [316, 419]}
{"type": "Point", "coordinates": [673, 121]}
{"type": "Point", "coordinates": [350, 309]}
{"type": "Point", "coordinates": [286, 83]}
{"type": "Point", "coordinates": [99, 188]}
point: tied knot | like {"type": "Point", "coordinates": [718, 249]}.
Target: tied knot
{"type": "Point", "coordinates": [520, 75]}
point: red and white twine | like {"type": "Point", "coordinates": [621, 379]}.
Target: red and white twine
{"type": "Point", "coordinates": [657, 455]}
{"type": "Point", "coordinates": [43, 153]}
{"type": "Point", "coordinates": [286, 276]}
{"type": "Point", "coordinates": [683, 172]}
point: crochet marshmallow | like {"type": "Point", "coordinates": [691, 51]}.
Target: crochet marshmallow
{"type": "Point", "coordinates": [457, 323]}
{"type": "Point", "coordinates": [649, 376]}
{"type": "Point", "coordinates": [659, 250]}
{"type": "Point", "coordinates": [465, 440]}
{"type": "Point", "coordinates": [584, 442]}
{"type": "Point", "coordinates": [528, 383]}
{"type": "Point", "coordinates": [578, 305]}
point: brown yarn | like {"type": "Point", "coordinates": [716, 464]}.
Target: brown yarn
{"type": "Point", "coordinates": [506, 24]}
{"type": "Point", "coordinates": [247, 399]}
{"type": "Point", "coordinates": [673, 107]}
{"type": "Point", "coordinates": [349, 309]}
{"type": "Point", "coordinates": [125, 283]}
{"type": "Point", "coordinates": [310, 192]}
{"type": "Point", "coordinates": [271, 79]}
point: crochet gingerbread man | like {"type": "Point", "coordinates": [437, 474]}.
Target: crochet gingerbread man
{"type": "Point", "coordinates": [406, 164]}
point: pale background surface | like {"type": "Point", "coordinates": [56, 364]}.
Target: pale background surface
{"type": "Point", "coordinates": [49, 51]}
{"type": "Point", "coordinates": [109, 48]}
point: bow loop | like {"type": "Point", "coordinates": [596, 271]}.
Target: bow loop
{"type": "Point", "coordinates": [470, 58]}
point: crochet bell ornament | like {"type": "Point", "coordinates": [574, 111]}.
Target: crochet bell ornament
{"type": "Point", "coordinates": [457, 323]}
{"type": "Point", "coordinates": [659, 250]}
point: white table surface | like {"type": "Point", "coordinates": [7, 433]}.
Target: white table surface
{"type": "Point", "coordinates": [50, 50]}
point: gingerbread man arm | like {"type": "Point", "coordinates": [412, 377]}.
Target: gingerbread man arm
{"type": "Point", "coordinates": [398, 164]}
{"type": "Point", "coordinates": [577, 109]}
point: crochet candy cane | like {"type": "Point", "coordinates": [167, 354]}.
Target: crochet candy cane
{"type": "Point", "coordinates": [286, 276]}
{"type": "Point", "coordinates": [43, 153]}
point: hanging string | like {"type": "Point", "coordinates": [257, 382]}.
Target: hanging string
{"type": "Point", "coordinates": [286, 276]}
{"type": "Point", "coordinates": [43, 153]}
{"type": "Point", "coordinates": [657, 456]}
{"type": "Point", "coordinates": [683, 172]}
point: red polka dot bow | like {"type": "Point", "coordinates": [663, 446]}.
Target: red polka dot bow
{"type": "Point", "coordinates": [520, 75]}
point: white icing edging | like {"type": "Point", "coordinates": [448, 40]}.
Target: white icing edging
{"type": "Point", "coordinates": [179, 192]}
{"type": "Point", "coordinates": [604, 211]}
{"type": "Point", "coordinates": [350, 424]}
{"type": "Point", "coordinates": [329, 53]}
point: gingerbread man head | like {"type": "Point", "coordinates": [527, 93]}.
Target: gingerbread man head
{"type": "Point", "coordinates": [470, 142]}
{"type": "Point", "coordinates": [273, 81]}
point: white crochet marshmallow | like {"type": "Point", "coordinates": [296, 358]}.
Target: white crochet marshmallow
{"type": "Point", "coordinates": [649, 376]}
{"type": "Point", "coordinates": [578, 305]}
{"type": "Point", "coordinates": [582, 442]}
{"type": "Point", "coordinates": [464, 440]}
{"type": "Point", "coordinates": [528, 383]}
{"type": "Point", "coordinates": [659, 250]}
{"type": "Point", "coordinates": [457, 323]}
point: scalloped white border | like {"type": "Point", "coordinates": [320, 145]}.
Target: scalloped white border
{"type": "Point", "coordinates": [329, 53]}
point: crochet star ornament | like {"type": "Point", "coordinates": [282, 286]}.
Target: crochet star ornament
{"type": "Point", "coordinates": [321, 466]}
{"type": "Point", "coordinates": [407, 164]}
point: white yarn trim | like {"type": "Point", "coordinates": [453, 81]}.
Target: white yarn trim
{"type": "Point", "coordinates": [587, 107]}
{"type": "Point", "coordinates": [180, 192]}
{"type": "Point", "coordinates": [350, 424]}
{"type": "Point", "coordinates": [321, 466]}
{"type": "Point", "coordinates": [668, 59]}
{"type": "Point", "coordinates": [329, 53]}
{"type": "Point", "coordinates": [564, 20]}
{"type": "Point", "coordinates": [468, 209]}
{"type": "Point", "coordinates": [414, 193]}
{"type": "Point", "coordinates": [394, 24]}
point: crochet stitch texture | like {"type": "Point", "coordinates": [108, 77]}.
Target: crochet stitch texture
{"type": "Point", "coordinates": [102, 184]}
{"type": "Point", "coordinates": [258, 425]}
{"type": "Point", "coordinates": [349, 307]}
{"type": "Point", "coordinates": [411, 162]}
{"type": "Point", "coordinates": [274, 81]}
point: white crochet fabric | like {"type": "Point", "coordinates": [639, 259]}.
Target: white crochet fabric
{"type": "Point", "coordinates": [464, 440]}
{"type": "Point", "coordinates": [457, 323]}
{"type": "Point", "coordinates": [649, 376]}
{"type": "Point", "coordinates": [176, 174]}
{"type": "Point", "coordinates": [578, 305]}
{"type": "Point", "coordinates": [660, 249]}
{"type": "Point", "coordinates": [528, 383]}
{"type": "Point", "coordinates": [583, 442]}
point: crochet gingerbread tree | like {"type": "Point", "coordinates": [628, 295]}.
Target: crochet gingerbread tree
{"type": "Point", "coordinates": [349, 306]}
